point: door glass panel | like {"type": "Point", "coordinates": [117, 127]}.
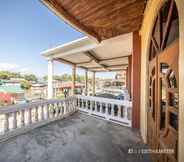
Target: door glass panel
{"type": "Point", "coordinates": [164, 68]}
{"type": "Point", "coordinates": [162, 103]}
{"type": "Point", "coordinates": [153, 99]}
{"type": "Point", "coordinates": [173, 120]}
{"type": "Point", "coordinates": [172, 79]}
{"type": "Point", "coordinates": [173, 100]}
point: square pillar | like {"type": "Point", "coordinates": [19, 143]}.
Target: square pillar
{"type": "Point", "coordinates": [136, 76]}
{"type": "Point", "coordinates": [50, 79]}
{"type": "Point", "coordinates": [73, 79]}
{"type": "Point", "coordinates": [86, 82]}
{"type": "Point", "coordinates": [93, 83]}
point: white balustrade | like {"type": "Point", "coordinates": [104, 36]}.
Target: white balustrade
{"type": "Point", "coordinates": [19, 118]}
{"type": "Point", "coordinates": [23, 117]}
{"type": "Point", "coordinates": [109, 109]}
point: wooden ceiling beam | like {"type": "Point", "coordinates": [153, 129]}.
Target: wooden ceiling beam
{"type": "Point", "coordinates": [114, 58]}
{"type": "Point", "coordinates": [60, 11]}
{"type": "Point", "coordinates": [92, 56]}
{"type": "Point", "coordinates": [110, 66]}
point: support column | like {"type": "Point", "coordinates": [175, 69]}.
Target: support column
{"type": "Point", "coordinates": [93, 83]}
{"type": "Point", "coordinates": [136, 76]}
{"type": "Point", "coordinates": [73, 79]}
{"type": "Point", "coordinates": [86, 82]}
{"type": "Point", "coordinates": [50, 79]}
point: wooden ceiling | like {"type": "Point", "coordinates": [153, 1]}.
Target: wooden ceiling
{"type": "Point", "coordinates": [101, 19]}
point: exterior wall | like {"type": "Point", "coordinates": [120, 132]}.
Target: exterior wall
{"type": "Point", "coordinates": [151, 11]}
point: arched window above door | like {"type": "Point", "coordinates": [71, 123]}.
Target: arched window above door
{"type": "Point", "coordinates": [166, 28]}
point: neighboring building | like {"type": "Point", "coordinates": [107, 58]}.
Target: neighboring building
{"type": "Point", "coordinates": [37, 91]}
{"type": "Point", "coordinates": [121, 76]}
{"type": "Point", "coordinates": [5, 99]}
{"type": "Point", "coordinates": [60, 87]}
{"type": "Point", "coordinates": [15, 91]}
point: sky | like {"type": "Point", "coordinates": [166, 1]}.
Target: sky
{"type": "Point", "coordinates": [27, 28]}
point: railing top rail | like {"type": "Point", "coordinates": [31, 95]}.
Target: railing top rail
{"type": "Point", "coordinates": [107, 100]}
{"type": "Point", "coordinates": [18, 107]}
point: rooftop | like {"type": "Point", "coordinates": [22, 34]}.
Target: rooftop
{"type": "Point", "coordinates": [77, 138]}
{"type": "Point", "coordinates": [11, 89]}
{"type": "Point", "coordinates": [108, 55]}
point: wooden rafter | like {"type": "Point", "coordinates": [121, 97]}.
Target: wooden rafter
{"type": "Point", "coordinates": [60, 11]}
{"type": "Point", "coordinates": [99, 18]}
{"type": "Point", "coordinates": [92, 56]}
{"type": "Point", "coordinates": [110, 66]}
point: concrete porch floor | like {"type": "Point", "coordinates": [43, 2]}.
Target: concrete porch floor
{"type": "Point", "coordinates": [79, 138]}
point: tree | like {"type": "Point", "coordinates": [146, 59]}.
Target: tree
{"type": "Point", "coordinates": [5, 75]}
{"type": "Point", "coordinates": [66, 77]}
{"type": "Point", "coordinates": [25, 84]}
{"type": "Point", "coordinates": [80, 78]}
{"type": "Point", "coordinates": [30, 77]}
{"type": "Point", "coordinates": [45, 77]}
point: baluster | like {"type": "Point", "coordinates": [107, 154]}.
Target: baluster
{"type": "Point", "coordinates": [47, 111]}
{"type": "Point", "coordinates": [70, 106]}
{"type": "Point", "coordinates": [112, 110]}
{"type": "Point", "coordinates": [22, 118]}
{"type": "Point", "coordinates": [119, 111]}
{"type": "Point", "coordinates": [6, 122]}
{"type": "Point", "coordinates": [57, 109]}
{"type": "Point", "coordinates": [64, 107]}
{"type": "Point", "coordinates": [36, 113]}
{"type": "Point", "coordinates": [101, 109]}
{"type": "Point", "coordinates": [51, 111]}
{"type": "Point", "coordinates": [82, 104]}
{"type": "Point", "coordinates": [106, 111]}
{"type": "Point", "coordinates": [42, 112]}
{"type": "Point", "coordinates": [125, 115]}
{"type": "Point", "coordinates": [29, 116]}
{"type": "Point", "coordinates": [76, 104]}
{"type": "Point", "coordinates": [95, 106]}
{"type": "Point", "coordinates": [61, 108]}
{"type": "Point", "coordinates": [14, 120]}
{"type": "Point", "coordinates": [91, 107]}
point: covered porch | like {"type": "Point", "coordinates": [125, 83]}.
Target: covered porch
{"type": "Point", "coordinates": [115, 54]}
{"type": "Point", "coordinates": [146, 39]}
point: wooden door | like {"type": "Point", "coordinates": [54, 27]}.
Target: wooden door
{"type": "Point", "coordinates": [163, 85]}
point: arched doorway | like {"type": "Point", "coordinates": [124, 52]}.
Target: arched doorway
{"type": "Point", "coordinates": [163, 84]}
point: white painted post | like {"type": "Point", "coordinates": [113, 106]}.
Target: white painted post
{"type": "Point", "coordinates": [50, 78]}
